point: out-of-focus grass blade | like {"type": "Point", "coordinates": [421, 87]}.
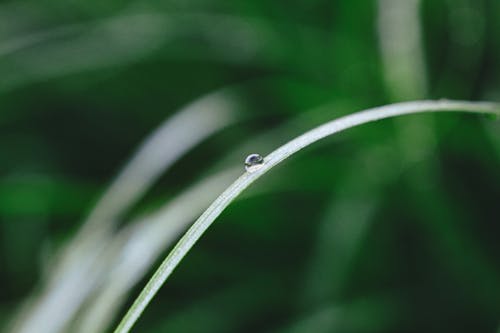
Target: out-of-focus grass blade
{"type": "Point", "coordinates": [290, 148]}
{"type": "Point", "coordinates": [71, 279]}
{"type": "Point", "coordinates": [401, 48]}
{"type": "Point", "coordinates": [127, 38]}
{"type": "Point", "coordinates": [161, 149]}
{"type": "Point", "coordinates": [338, 238]}
{"type": "Point", "coordinates": [108, 43]}
{"type": "Point", "coordinates": [141, 244]}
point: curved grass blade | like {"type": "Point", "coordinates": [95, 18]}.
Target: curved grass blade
{"type": "Point", "coordinates": [152, 234]}
{"type": "Point", "coordinates": [277, 156]}
{"type": "Point", "coordinates": [174, 218]}
{"type": "Point", "coordinates": [141, 243]}
{"type": "Point", "coordinates": [230, 38]}
{"type": "Point", "coordinates": [75, 264]}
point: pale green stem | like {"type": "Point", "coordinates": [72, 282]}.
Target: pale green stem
{"type": "Point", "coordinates": [277, 156]}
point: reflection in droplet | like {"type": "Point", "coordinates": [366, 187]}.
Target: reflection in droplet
{"type": "Point", "coordinates": [253, 162]}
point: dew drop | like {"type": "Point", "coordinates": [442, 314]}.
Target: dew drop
{"type": "Point", "coordinates": [253, 162]}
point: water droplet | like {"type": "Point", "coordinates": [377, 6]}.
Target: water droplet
{"type": "Point", "coordinates": [253, 162]}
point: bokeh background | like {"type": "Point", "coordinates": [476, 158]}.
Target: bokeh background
{"type": "Point", "coordinates": [389, 227]}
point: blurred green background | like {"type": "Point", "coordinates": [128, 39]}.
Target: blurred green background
{"type": "Point", "coordinates": [389, 227]}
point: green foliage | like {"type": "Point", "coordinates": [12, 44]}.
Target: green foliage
{"type": "Point", "coordinates": [391, 226]}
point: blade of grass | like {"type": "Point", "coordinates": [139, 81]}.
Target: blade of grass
{"type": "Point", "coordinates": [280, 154]}
{"type": "Point", "coordinates": [401, 48]}
{"type": "Point", "coordinates": [76, 262]}
{"type": "Point", "coordinates": [403, 63]}
{"type": "Point", "coordinates": [338, 240]}
{"type": "Point", "coordinates": [228, 38]}
{"type": "Point", "coordinates": [141, 244]}
{"type": "Point", "coordinates": [161, 149]}
{"type": "Point", "coordinates": [167, 223]}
